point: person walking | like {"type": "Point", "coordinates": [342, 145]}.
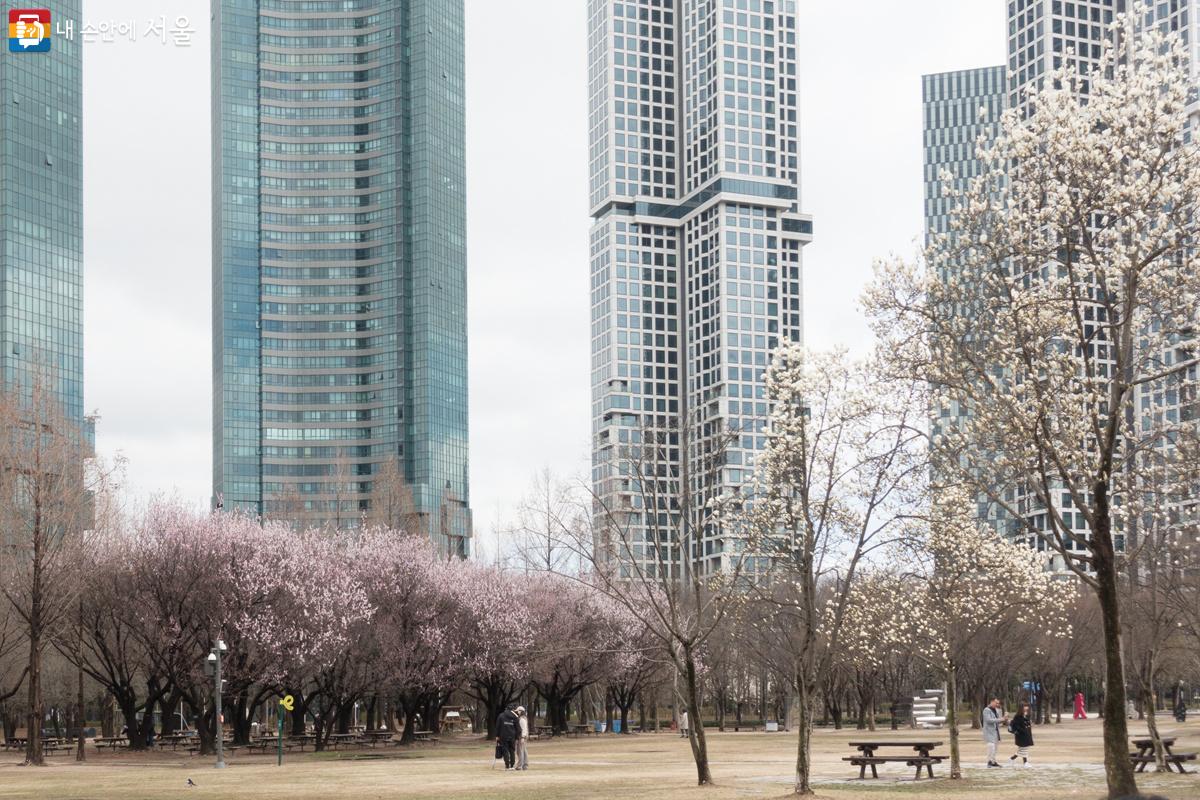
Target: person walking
{"type": "Point", "coordinates": [1022, 729]}
{"type": "Point", "coordinates": [993, 718]}
{"type": "Point", "coordinates": [508, 729]}
{"type": "Point", "coordinates": [1080, 706]}
{"type": "Point", "coordinates": [683, 723]}
{"type": "Point", "coordinates": [522, 739]}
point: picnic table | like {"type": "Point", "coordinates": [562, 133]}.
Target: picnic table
{"type": "Point", "coordinates": [111, 742]}
{"type": "Point", "coordinates": [336, 739]}
{"type": "Point", "coordinates": [425, 736]}
{"type": "Point", "coordinates": [922, 757]}
{"type": "Point", "coordinates": [578, 728]}
{"type": "Point", "coordinates": [174, 740]}
{"type": "Point", "coordinates": [1145, 754]}
{"type": "Point", "coordinates": [375, 737]}
{"type": "Point", "coordinates": [544, 730]}
{"type": "Point", "coordinates": [269, 742]}
{"type": "Point", "coordinates": [301, 740]}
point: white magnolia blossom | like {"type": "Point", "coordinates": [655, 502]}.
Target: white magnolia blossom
{"type": "Point", "coordinates": [1055, 323]}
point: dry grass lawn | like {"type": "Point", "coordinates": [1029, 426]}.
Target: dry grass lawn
{"type": "Point", "coordinates": [659, 767]}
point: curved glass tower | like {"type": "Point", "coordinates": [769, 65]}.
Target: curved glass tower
{"type": "Point", "coordinates": [339, 263]}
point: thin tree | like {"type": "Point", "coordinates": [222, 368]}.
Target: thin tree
{"type": "Point", "coordinates": [652, 518]}
{"type": "Point", "coordinates": [47, 481]}
{"type": "Point", "coordinates": [844, 465]}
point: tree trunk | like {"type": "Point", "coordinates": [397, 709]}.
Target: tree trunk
{"type": "Point", "coordinates": [1117, 767]}
{"type": "Point", "coordinates": [804, 723]}
{"type": "Point", "coordinates": [696, 726]}
{"type": "Point", "coordinates": [297, 714]}
{"type": "Point", "coordinates": [33, 728]}
{"type": "Point", "coordinates": [80, 718]}
{"type": "Point", "coordinates": [1160, 756]}
{"type": "Point", "coordinates": [107, 724]}
{"type": "Point", "coordinates": [952, 720]}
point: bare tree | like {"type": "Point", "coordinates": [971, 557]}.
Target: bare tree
{"type": "Point", "coordinates": [47, 480]}
{"type": "Point", "coordinates": [392, 502]}
{"type": "Point", "coordinates": [653, 518]}
{"type": "Point", "coordinates": [549, 519]}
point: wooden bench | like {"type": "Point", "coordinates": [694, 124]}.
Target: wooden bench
{"type": "Point", "coordinates": [751, 728]}
{"type": "Point", "coordinates": [920, 762]}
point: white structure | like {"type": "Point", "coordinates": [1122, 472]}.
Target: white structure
{"type": "Point", "coordinates": [695, 242]}
{"type": "Point", "coordinates": [927, 711]}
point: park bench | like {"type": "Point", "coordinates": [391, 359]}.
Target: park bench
{"type": "Point", "coordinates": [738, 728]}
{"type": "Point", "coordinates": [922, 758]}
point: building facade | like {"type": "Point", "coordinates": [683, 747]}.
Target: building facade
{"type": "Point", "coordinates": [41, 216]}
{"type": "Point", "coordinates": [695, 251]}
{"type": "Point", "coordinates": [1042, 35]}
{"type": "Point", "coordinates": [958, 109]}
{"type": "Point", "coordinates": [339, 263]}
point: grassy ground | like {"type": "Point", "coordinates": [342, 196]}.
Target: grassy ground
{"type": "Point", "coordinates": [659, 767]}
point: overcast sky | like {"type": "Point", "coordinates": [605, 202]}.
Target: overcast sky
{"type": "Point", "coordinates": [147, 215]}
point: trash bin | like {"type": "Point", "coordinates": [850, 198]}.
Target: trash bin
{"type": "Point", "coordinates": [616, 726]}
{"type": "Point", "coordinates": [599, 726]}
{"type": "Point", "coordinates": [772, 726]}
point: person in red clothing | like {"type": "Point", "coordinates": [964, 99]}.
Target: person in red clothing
{"type": "Point", "coordinates": [1080, 706]}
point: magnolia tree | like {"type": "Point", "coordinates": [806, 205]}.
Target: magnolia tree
{"type": "Point", "coordinates": [970, 578]}
{"type": "Point", "coordinates": [1065, 290]}
{"type": "Point", "coordinates": [842, 467]}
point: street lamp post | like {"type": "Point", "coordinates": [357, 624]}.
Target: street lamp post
{"type": "Point", "coordinates": [214, 669]}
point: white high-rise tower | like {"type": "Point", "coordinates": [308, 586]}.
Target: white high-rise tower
{"type": "Point", "coordinates": [695, 253]}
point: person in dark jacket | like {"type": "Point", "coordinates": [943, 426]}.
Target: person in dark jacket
{"type": "Point", "coordinates": [508, 730]}
{"type": "Point", "coordinates": [1022, 729]}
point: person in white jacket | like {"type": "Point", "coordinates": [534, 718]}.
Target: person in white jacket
{"type": "Point", "coordinates": [523, 739]}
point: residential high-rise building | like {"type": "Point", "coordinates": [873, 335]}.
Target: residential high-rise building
{"type": "Point", "coordinates": [41, 212]}
{"type": "Point", "coordinates": [1042, 35]}
{"type": "Point", "coordinates": [696, 246]}
{"type": "Point", "coordinates": [339, 262]}
{"type": "Point", "coordinates": [958, 109]}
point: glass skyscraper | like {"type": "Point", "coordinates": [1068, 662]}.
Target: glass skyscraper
{"type": "Point", "coordinates": [41, 216]}
{"type": "Point", "coordinates": [696, 245]}
{"type": "Point", "coordinates": [339, 262]}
